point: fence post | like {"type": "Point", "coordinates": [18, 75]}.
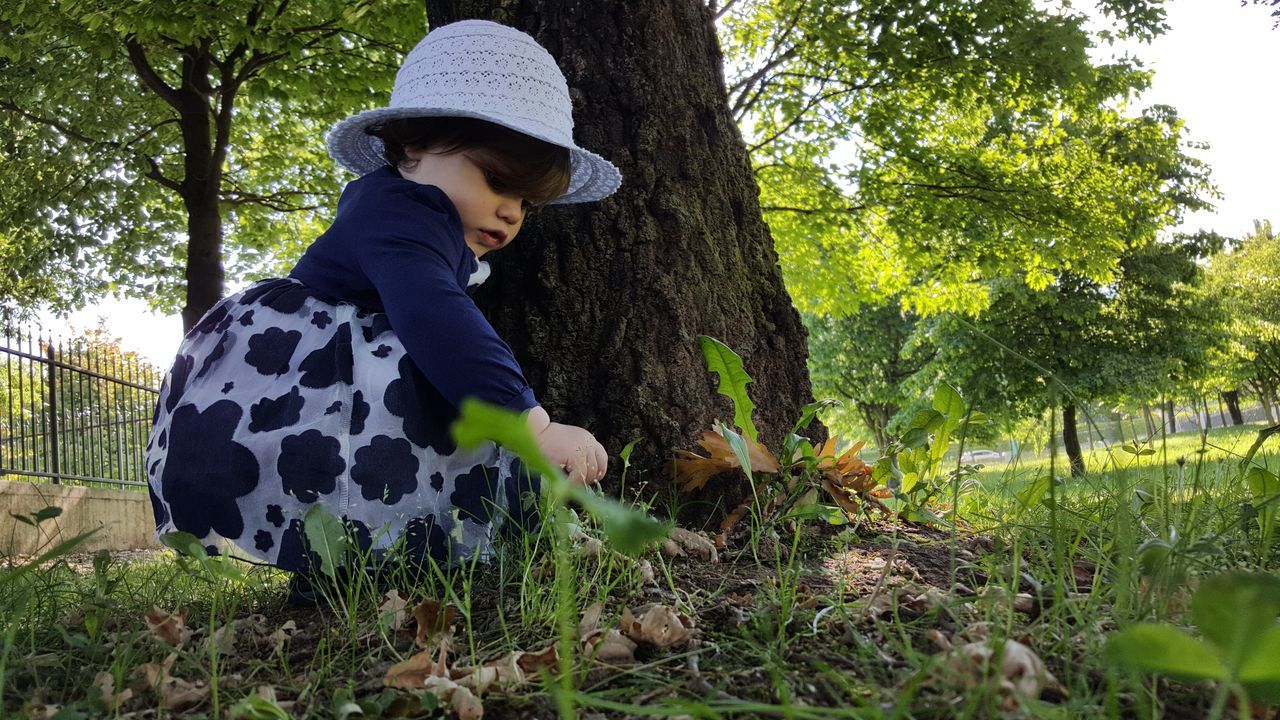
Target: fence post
{"type": "Point", "coordinates": [53, 412]}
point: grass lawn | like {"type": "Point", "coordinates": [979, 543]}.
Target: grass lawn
{"type": "Point", "coordinates": [793, 618]}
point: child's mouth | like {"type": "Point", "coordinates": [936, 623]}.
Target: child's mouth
{"type": "Point", "coordinates": [492, 239]}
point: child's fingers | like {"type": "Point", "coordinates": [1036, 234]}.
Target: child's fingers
{"type": "Point", "coordinates": [601, 461]}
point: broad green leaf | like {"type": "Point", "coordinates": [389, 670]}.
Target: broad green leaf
{"type": "Point", "coordinates": [478, 422]}
{"type": "Point", "coordinates": [1164, 649]}
{"type": "Point", "coordinates": [915, 437]}
{"type": "Point", "coordinates": [628, 529]}
{"type": "Point", "coordinates": [1233, 610]}
{"type": "Point", "coordinates": [1263, 664]}
{"type": "Point", "coordinates": [947, 401]}
{"type": "Point", "coordinates": [625, 454]}
{"type": "Point", "coordinates": [1153, 555]}
{"type": "Point", "coordinates": [1265, 486]}
{"type": "Point", "coordinates": [926, 419]}
{"type": "Point", "coordinates": [1257, 444]}
{"type": "Point", "coordinates": [256, 707]}
{"type": "Point", "coordinates": [739, 448]}
{"type": "Point", "coordinates": [1260, 674]}
{"type": "Point", "coordinates": [884, 471]}
{"type": "Point", "coordinates": [727, 365]}
{"type": "Point", "coordinates": [47, 513]}
{"type": "Point", "coordinates": [810, 411]}
{"type": "Point", "coordinates": [326, 537]}
{"type": "Point", "coordinates": [1031, 495]}
{"type": "Point", "coordinates": [185, 543]}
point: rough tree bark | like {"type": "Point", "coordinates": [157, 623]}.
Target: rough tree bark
{"type": "Point", "coordinates": [1171, 416]}
{"type": "Point", "coordinates": [1232, 400]}
{"type": "Point", "coordinates": [603, 302]}
{"type": "Point", "coordinates": [1071, 440]}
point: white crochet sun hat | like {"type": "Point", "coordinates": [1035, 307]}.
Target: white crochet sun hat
{"type": "Point", "coordinates": [483, 70]}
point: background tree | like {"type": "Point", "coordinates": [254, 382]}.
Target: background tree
{"type": "Point", "coordinates": [1078, 340]}
{"type": "Point", "coordinates": [148, 144]}
{"type": "Point", "coordinates": [1247, 280]}
{"type": "Point", "coordinates": [866, 360]}
{"type": "Point", "coordinates": [921, 149]}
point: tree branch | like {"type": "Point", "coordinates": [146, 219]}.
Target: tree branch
{"type": "Point", "coordinates": [138, 56]}
{"type": "Point", "coordinates": [56, 125]}
{"type": "Point", "coordinates": [155, 174]}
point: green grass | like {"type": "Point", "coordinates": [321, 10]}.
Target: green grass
{"type": "Point", "coordinates": [785, 620]}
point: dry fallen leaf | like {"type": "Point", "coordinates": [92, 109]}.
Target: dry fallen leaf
{"type": "Point", "coordinates": [434, 621]}
{"type": "Point", "coordinates": [609, 646]}
{"type": "Point", "coordinates": [464, 703]}
{"type": "Point", "coordinates": [1021, 676]}
{"type": "Point", "coordinates": [511, 670]}
{"type": "Point", "coordinates": [590, 619]}
{"type": "Point", "coordinates": [175, 693]}
{"type": "Point", "coordinates": [392, 609]}
{"type": "Point", "coordinates": [169, 628]}
{"type": "Point", "coordinates": [106, 684]}
{"type": "Point", "coordinates": [644, 573]}
{"type": "Point", "coordinates": [150, 676]}
{"type": "Point", "coordinates": [606, 646]}
{"type": "Point", "coordinates": [410, 674]}
{"type": "Point", "coordinates": [692, 471]}
{"type": "Point", "coordinates": [656, 625]}
{"type": "Point", "coordinates": [421, 673]}
{"type": "Point", "coordinates": [40, 711]}
{"type": "Point", "coordinates": [849, 481]}
{"type": "Point", "coordinates": [286, 631]}
{"type": "Point", "coordinates": [683, 542]}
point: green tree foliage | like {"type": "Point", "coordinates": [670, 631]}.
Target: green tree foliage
{"type": "Point", "coordinates": [866, 360]}
{"type": "Point", "coordinates": [137, 135]}
{"type": "Point", "coordinates": [920, 149]}
{"type": "Point", "coordinates": [1247, 282]}
{"type": "Point", "coordinates": [1146, 332]}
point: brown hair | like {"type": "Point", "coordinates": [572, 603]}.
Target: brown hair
{"type": "Point", "coordinates": [512, 162]}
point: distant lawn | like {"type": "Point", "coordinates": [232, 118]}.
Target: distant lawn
{"type": "Point", "coordinates": [1209, 459]}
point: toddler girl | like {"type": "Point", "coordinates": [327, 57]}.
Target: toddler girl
{"type": "Point", "coordinates": [337, 385]}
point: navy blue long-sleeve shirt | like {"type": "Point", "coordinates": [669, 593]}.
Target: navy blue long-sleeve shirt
{"type": "Point", "coordinates": [397, 246]}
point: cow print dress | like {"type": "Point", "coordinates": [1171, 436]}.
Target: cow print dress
{"type": "Point", "coordinates": [281, 399]}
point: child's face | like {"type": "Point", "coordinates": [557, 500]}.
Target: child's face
{"type": "Point", "coordinates": [489, 220]}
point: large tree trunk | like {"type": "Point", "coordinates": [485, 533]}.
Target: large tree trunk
{"type": "Point", "coordinates": [1150, 421]}
{"type": "Point", "coordinates": [603, 302]}
{"type": "Point", "coordinates": [1232, 399]}
{"type": "Point", "coordinates": [204, 272]}
{"type": "Point", "coordinates": [1071, 440]}
{"type": "Point", "coordinates": [1171, 416]}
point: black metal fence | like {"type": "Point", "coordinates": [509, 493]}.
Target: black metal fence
{"type": "Point", "coordinates": [74, 412]}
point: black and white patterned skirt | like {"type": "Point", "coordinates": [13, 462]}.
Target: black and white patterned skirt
{"type": "Point", "coordinates": [281, 399]}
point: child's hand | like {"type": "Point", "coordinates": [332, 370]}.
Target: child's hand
{"type": "Point", "coordinates": [575, 450]}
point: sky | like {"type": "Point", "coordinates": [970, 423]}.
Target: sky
{"type": "Point", "coordinates": [1215, 65]}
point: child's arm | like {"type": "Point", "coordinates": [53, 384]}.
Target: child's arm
{"type": "Point", "coordinates": [570, 447]}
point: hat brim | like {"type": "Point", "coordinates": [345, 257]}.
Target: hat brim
{"type": "Point", "coordinates": [591, 176]}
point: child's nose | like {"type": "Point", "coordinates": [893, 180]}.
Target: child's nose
{"type": "Point", "coordinates": [511, 210]}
